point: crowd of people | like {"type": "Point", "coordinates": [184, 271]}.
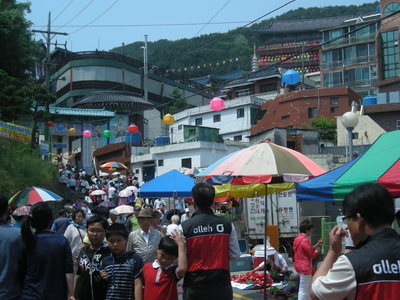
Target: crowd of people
{"type": "Point", "coordinates": [97, 253]}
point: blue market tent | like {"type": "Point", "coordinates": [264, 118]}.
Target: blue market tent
{"type": "Point", "coordinates": [170, 184]}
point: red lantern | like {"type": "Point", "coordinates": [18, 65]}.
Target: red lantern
{"type": "Point", "coordinates": [50, 124]}
{"type": "Point", "coordinates": [133, 128]}
{"type": "Point", "coordinates": [217, 104]}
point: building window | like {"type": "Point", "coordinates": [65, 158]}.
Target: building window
{"type": "Point", "coordinates": [334, 109]}
{"type": "Point", "coordinates": [160, 162]}
{"type": "Point", "coordinates": [179, 127]}
{"type": "Point", "coordinates": [240, 113]}
{"type": "Point", "coordinates": [187, 163]}
{"type": "Point", "coordinates": [390, 60]}
{"type": "Point", "coordinates": [59, 139]}
{"type": "Point", "coordinates": [391, 7]}
{"type": "Point", "coordinates": [265, 88]}
{"type": "Point", "coordinates": [199, 121]}
{"type": "Point", "coordinates": [312, 112]}
{"type": "Point", "coordinates": [285, 117]}
{"type": "Point", "coordinates": [237, 138]}
{"type": "Point", "coordinates": [217, 118]}
{"type": "Point", "coordinates": [354, 136]}
{"type": "Point", "coordinates": [192, 132]}
{"type": "Point", "coordinates": [398, 125]}
{"type": "Point", "coordinates": [243, 92]}
{"type": "Point", "coordinates": [334, 101]}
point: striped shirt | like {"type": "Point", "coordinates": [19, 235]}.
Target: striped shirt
{"type": "Point", "coordinates": [122, 273]}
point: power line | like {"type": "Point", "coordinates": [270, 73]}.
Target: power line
{"type": "Point", "coordinates": [77, 15]}
{"type": "Point", "coordinates": [98, 17]}
{"type": "Point", "coordinates": [152, 25]}
{"type": "Point", "coordinates": [59, 14]}
{"type": "Point", "coordinates": [217, 39]}
{"type": "Point", "coordinates": [212, 18]}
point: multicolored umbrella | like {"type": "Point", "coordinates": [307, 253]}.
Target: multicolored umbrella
{"type": "Point", "coordinates": [379, 164]}
{"type": "Point", "coordinates": [259, 164]}
{"type": "Point", "coordinates": [32, 195]}
{"type": "Point", "coordinates": [112, 166]}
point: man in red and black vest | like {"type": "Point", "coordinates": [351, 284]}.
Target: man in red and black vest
{"type": "Point", "coordinates": [372, 270]}
{"type": "Point", "coordinates": [211, 243]}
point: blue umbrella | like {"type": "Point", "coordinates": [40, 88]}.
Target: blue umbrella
{"type": "Point", "coordinates": [291, 77]}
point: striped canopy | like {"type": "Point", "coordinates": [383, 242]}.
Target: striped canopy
{"type": "Point", "coordinates": [112, 166]}
{"type": "Point", "coordinates": [260, 163]}
{"type": "Point", "coordinates": [32, 195]}
{"type": "Point", "coordinates": [379, 164]}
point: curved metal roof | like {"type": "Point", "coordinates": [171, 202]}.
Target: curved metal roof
{"type": "Point", "coordinates": [113, 100]}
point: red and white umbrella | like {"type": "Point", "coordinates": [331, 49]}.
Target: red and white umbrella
{"type": "Point", "coordinates": [262, 162]}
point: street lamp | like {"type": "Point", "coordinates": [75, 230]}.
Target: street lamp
{"type": "Point", "coordinates": [349, 121]}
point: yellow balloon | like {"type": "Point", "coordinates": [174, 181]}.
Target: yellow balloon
{"type": "Point", "coordinates": [72, 130]}
{"type": "Point", "coordinates": [168, 119]}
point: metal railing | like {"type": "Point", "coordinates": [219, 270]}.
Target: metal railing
{"type": "Point", "coordinates": [348, 62]}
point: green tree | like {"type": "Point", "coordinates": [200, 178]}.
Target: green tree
{"type": "Point", "coordinates": [17, 49]}
{"type": "Point", "coordinates": [326, 128]}
{"type": "Point", "coordinates": [179, 103]}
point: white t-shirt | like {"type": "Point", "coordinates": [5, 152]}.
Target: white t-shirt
{"type": "Point", "coordinates": [338, 283]}
{"type": "Point", "coordinates": [171, 228]}
{"type": "Point", "coordinates": [111, 192]}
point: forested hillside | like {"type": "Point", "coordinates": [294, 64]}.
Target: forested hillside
{"type": "Point", "coordinates": [223, 52]}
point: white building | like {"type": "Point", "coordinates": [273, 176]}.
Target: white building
{"type": "Point", "coordinates": [193, 138]}
{"type": "Point", "coordinates": [234, 121]}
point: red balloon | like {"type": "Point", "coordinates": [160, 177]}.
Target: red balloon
{"type": "Point", "coordinates": [50, 124]}
{"type": "Point", "coordinates": [133, 128]}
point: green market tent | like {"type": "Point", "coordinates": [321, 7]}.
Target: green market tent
{"type": "Point", "coordinates": [380, 164]}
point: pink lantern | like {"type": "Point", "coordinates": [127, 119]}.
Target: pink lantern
{"type": "Point", "coordinates": [50, 124]}
{"type": "Point", "coordinates": [87, 133]}
{"type": "Point", "coordinates": [133, 128]}
{"type": "Point", "coordinates": [217, 104]}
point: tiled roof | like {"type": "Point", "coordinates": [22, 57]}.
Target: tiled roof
{"type": "Point", "coordinates": [248, 79]}
{"type": "Point", "coordinates": [113, 100]}
{"type": "Point", "coordinates": [67, 111]}
{"type": "Point", "coordinates": [282, 26]}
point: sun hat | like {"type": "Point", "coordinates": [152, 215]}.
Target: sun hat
{"type": "Point", "coordinates": [144, 213]}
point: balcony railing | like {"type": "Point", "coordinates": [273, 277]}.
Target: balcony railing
{"type": "Point", "coordinates": [349, 40]}
{"type": "Point", "coordinates": [348, 62]}
{"type": "Point", "coordinates": [355, 84]}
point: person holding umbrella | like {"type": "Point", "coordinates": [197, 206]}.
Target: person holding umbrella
{"type": "Point", "coordinates": [49, 267]}
{"type": "Point", "coordinates": [11, 258]}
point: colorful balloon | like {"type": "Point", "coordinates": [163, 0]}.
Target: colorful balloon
{"type": "Point", "coordinates": [87, 133]}
{"type": "Point", "coordinates": [217, 104]}
{"type": "Point", "coordinates": [133, 128]}
{"type": "Point", "coordinates": [168, 119]}
{"type": "Point", "coordinates": [106, 133]}
{"type": "Point", "coordinates": [72, 131]}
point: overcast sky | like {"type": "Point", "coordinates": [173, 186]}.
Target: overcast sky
{"type": "Point", "coordinates": [104, 24]}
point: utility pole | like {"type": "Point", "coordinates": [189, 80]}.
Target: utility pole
{"type": "Point", "coordinates": [48, 35]}
{"type": "Point", "coordinates": [146, 69]}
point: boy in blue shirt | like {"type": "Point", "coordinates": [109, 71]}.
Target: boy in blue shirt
{"type": "Point", "coordinates": [121, 269]}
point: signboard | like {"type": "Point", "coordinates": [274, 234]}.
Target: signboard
{"type": "Point", "coordinates": [281, 210]}
{"type": "Point", "coordinates": [15, 132]}
{"type": "Point", "coordinates": [44, 148]}
{"type": "Point", "coordinates": [60, 145]}
{"type": "Point", "coordinates": [287, 211]}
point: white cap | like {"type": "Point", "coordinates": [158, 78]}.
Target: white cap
{"type": "Point", "coordinates": [187, 209]}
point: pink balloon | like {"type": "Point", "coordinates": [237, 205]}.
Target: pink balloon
{"type": "Point", "coordinates": [87, 133]}
{"type": "Point", "coordinates": [217, 104]}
